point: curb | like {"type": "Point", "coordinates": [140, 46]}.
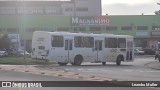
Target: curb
{"type": "Point", "coordinates": [151, 66]}
{"type": "Point", "coordinates": [54, 72]}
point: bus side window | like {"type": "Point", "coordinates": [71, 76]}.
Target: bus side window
{"type": "Point", "coordinates": [57, 41]}
{"type": "Point", "coordinates": [79, 42]}
{"type": "Point", "coordinates": [98, 45]}
{"type": "Point", "coordinates": [121, 43]}
{"type": "Point", "coordinates": [68, 42]}
{"type": "Point", "coordinates": [66, 45]}
{"type": "Point", "coordinates": [112, 42]}
{"type": "Point", "coordinates": [70, 45]}
{"type": "Point", "coordinates": [89, 42]}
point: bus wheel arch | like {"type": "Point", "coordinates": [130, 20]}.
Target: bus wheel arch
{"type": "Point", "coordinates": [119, 59]}
{"type": "Point", "coordinates": [78, 59]}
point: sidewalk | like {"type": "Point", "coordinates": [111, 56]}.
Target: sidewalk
{"type": "Point", "coordinates": [154, 65]}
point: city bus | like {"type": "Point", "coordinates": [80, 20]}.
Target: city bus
{"type": "Point", "coordinates": [76, 48]}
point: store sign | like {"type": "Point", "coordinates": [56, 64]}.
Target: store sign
{"type": "Point", "coordinates": [155, 34]}
{"type": "Point", "coordinates": [99, 20]}
{"type": "Point", "coordinates": [142, 34]}
{"type": "Point", "coordinates": [14, 37]}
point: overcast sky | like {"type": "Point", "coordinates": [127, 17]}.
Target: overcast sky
{"type": "Point", "coordinates": [130, 7]}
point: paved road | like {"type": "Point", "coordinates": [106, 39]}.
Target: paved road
{"type": "Point", "coordinates": [134, 71]}
{"type": "Point", "coordinates": [21, 76]}
{"type": "Point", "coordinates": [137, 69]}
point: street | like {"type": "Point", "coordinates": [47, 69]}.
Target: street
{"type": "Point", "coordinates": [130, 71]}
{"type": "Point", "coordinates": [21, 76]}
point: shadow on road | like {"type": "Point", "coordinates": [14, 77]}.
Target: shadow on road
{"type": "Point", "coordinates": [87, 65]}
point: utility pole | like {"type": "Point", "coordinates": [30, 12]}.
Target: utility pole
{"type": "Point", "coordinates": [74, 3]}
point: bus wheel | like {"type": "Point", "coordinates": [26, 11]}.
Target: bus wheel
{"type": "Point", "coordinates": [103, 63]}
{"type": "Point", "coordinates": [62, 63]}
{"type": "Point", "coordinates": [119, 59]}
{"type": "Point", "coordinates": [78, 60]}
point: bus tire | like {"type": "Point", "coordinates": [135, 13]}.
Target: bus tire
{"type": "Point", "coordinates": [78, 60]}
{"type": "Point", "coordinates": [119, 59]}
{"type": "Point", "coordinates": [63, 64]}
{"type": "Point", "coordinates": [103, 63]}
{"type": "Point", "coordinates": [72, 63]}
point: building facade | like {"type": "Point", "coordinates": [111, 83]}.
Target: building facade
{"type": "Point", "coordinates": [15, 14]}
{"type": "Point", "coordinates": [21, 19]}
{"type": "Point", "coordinates": [68, 8]}
{"type": "Point", "coordinates": [144, 28]}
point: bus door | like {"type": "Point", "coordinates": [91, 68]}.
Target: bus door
{"type": "Point", "coordinates": [111, 50]}
{"type": "Point", "coordinates": [98, 52]}
{"type": "Point", "coordinates": [129, 53]}
{"type": "Point", "coordinates": [68, 49]}
{"type": "Point", "coordinates": [121, 50]}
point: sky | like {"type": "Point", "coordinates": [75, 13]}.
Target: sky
{"type": "Point", "coordinates": [127, 7]}
{"type": "Point", "coordinates": [130, 7]}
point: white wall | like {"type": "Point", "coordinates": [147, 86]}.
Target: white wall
{"type": "Point", "coordinates": [94, 7]}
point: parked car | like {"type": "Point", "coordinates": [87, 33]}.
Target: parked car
{"type": "Point", "coordinates": [21, 53]}
{"type": "Point", "coordinates": [140, 48]}
{"type": "Point", "coordinates": [149, 51]}
{"type": "Point", "coordinates": [138, 52]}
{"type": "Point", "coordinates": [3, 53]}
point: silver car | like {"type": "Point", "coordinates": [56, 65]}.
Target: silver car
{"type": "Point", "coordinates": [3, 53]}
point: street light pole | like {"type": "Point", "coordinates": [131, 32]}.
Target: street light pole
{"type": "Point", "coordinates": [24, 29]}
{"type": "Point", "coordinates": [16, 13]}
{"type": "Point", "coordinates": [74, 13]}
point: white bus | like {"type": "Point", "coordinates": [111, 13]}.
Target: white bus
{"type": "Point", "coordinates": [75, 48]}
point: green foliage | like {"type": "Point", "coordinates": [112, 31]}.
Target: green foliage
{"type": "Point", "coordinates": [157, 12]}
{"type": "Point", "coordinates": [5, 42]}
{"type": "Point", "coordinates": [22, 61]}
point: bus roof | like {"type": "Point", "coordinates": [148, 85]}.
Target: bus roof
{"type": "Point", "coordinates": [84, 34]}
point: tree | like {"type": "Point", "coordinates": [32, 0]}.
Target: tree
{"type": "Point", "coordinates": [5, 42]}
{"type": "Point", "coordinates": [157, 12]}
